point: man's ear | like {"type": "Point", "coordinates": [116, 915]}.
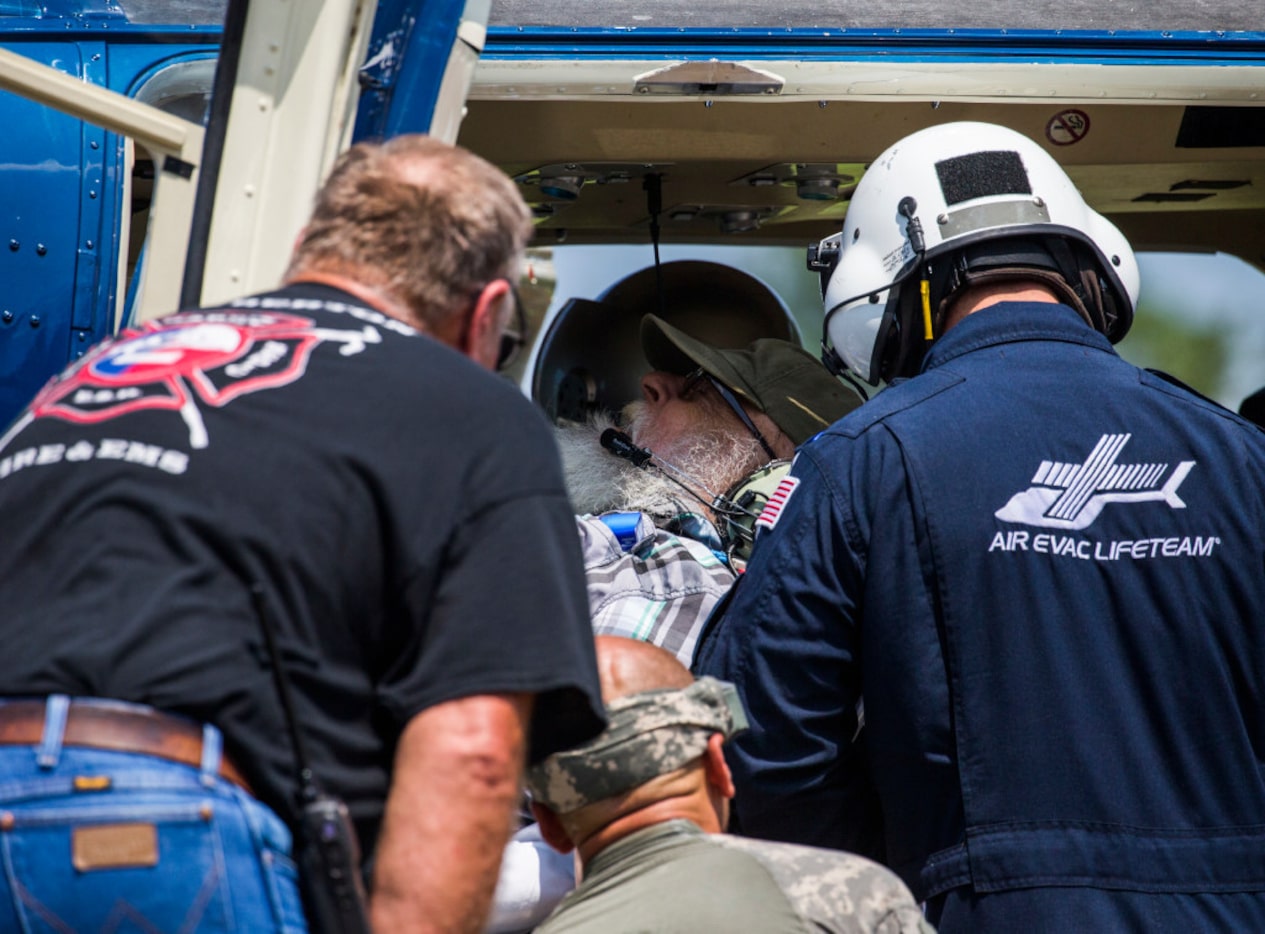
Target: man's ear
{"type": "Point", "coordinates": [551, 828]}
{"type": "Point", "coordinates": [482, 338]}
{"type": "Point", "coordinates": [718, 774]}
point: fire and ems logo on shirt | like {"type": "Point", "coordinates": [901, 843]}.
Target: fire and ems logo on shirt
{"type": "Point", "coordinates": [190, 358]}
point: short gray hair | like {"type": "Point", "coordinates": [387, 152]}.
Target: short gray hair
{"type": "Point", "coordinates": [428, 223]}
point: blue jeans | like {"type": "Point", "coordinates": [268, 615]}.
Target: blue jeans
{"type": "Point", "coordinates": [99, 841]}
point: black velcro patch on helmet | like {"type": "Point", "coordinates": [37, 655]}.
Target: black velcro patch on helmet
{"type": "Point", "coordinates": [981, 174]}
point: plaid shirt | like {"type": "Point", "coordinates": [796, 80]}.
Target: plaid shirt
{"type": "Point", "coordinates": [662, 588]}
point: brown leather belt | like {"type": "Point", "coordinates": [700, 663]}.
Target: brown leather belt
{"type": "Point", "coordinates": [118, 729]}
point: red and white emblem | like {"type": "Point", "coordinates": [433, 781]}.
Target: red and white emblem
{"type": "Point", "coordinates": [213, 357]}
{"type": "Point", "coordinates": [777, 502]}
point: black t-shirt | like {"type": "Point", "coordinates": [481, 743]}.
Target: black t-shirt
{"type": "Point", "coordinates": [401, 510]}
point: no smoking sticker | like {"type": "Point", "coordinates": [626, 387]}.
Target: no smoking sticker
{"type": "Point", "coordinates": [1067, 127]}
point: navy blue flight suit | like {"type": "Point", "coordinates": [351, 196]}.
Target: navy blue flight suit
{"type": "Point", "coordinates": [1007, 634]}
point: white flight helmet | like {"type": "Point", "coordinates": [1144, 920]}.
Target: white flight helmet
{"type": "Point", "coordinates": [949, 206]}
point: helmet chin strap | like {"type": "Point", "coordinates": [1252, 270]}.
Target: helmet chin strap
{"type": "Point", "coordinates": [829, 356]}
{"type": "Point", "coordinates": [834, 364]}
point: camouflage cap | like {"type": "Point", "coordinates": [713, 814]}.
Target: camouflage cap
{"type": "Point", "coordinates": [647, 735]}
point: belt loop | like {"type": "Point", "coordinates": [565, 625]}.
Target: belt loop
{"type": "Point", "coordinates": [56, 708]}
{"type": "Point", "coordinates": [212, 747]}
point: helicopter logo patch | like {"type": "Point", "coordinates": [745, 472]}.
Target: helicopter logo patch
{"type": "Point", "coordinates": [1071, 495]}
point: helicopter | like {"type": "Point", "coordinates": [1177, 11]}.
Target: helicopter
{"type": "Point", "coordinates": [164, 154]}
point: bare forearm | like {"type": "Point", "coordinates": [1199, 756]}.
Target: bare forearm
{"type": "Point", "coordinates": [449, 815]}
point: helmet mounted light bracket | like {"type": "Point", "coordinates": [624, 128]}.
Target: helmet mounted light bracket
{"type": "Point", "coordinates": [823, 257]}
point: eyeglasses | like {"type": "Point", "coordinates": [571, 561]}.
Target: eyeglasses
{"type": "Point", "coordinates": [514, 337]}
{"type": "Point", "coordinates": [696, 379]}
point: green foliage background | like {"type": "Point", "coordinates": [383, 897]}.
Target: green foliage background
{"type": "Point", "coordinates": [1201, 318]}
{"type": "Point", "coordinates": [1194, 353]}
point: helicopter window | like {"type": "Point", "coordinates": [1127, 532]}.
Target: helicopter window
{"type": "Point", "coordinates": [182, 89]}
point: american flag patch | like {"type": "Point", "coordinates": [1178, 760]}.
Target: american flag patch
{"type": "Point", "coordinates": [777, 501]}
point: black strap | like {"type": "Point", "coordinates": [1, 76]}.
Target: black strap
{"type": "Point", "coordinates": [308, 788]}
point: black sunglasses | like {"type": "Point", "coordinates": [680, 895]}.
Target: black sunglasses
{"type": "Point", "coordinates": [695, 379]}
{"type": "Point", "coordinates": [514, 337]}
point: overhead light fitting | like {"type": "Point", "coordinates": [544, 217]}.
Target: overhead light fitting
{"type": "Point", "coordinates": [562, 187]}
{"type": "Point", "coordinates": [739, 221]}
{"type": "Point", "coordinates": [565, 181]}
{"type": "Point", "coordinates": [812, 181]}
{"type": "Point", "coordinates": [817, 189]}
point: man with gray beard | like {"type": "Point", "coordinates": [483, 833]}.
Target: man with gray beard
{"type": "Point", "coordinates": [658, 555]}
{"type": "Point", "coordinates": [659, 552]}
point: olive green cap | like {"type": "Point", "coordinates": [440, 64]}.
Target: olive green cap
{"type": "Point", "coordinates": [779, 378]}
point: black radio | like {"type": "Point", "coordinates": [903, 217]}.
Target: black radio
{"type": "Point", "coordinates": [329, 868]}
{"type": "Point", "coordinates": [326, 849]}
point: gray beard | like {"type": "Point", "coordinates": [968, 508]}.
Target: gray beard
{"type": "Point", "coordinates": [598, 481]}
